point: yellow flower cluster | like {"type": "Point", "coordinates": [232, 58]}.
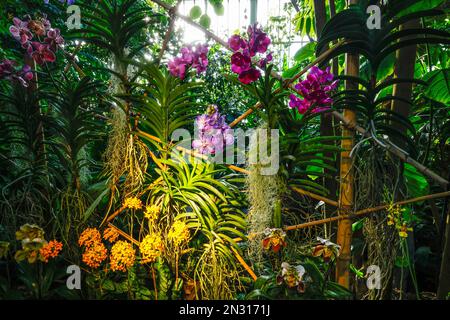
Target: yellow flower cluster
{"type": "Point", "coordinates": [110, 234]}
{"type": "Point", "coordinates": [50, 250]}
{"type": "Point", "coordinates": [122, 256]}
{"type": "Point", "coordinates": [152, 212]}
{"type": "Point", "coordinates": [179, 233]}
{"type": "Point", "coordinates": [395, 218]}
{"type": "Point", "coordinates": [133, 203]}
{"type": "Point", "coordinates": [151, 248]}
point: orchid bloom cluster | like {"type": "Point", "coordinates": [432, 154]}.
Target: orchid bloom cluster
{"type": "Point", "coordinates": [315, 91]}
{"type": "Point", "coordinates": [274, 239]}
{"type": "Point", "coordinates": [41, 51]}
{"type": "Point", "coordinates": [292, 276]}
{"type": "Point", "coordinates": [195, 57]}
{"type": "Point", "coordinates": [395, 218]}
{"type": "Point", "coordinates": [326, 249]}
{"type": "Point", "coordinates": [9, 71]}
{"type": "Point", "coordinates": [69, 2]}
{"type": "Point", "coordinates": [245, 50]}
{"type": "Point", "coordinates": [213, 132]}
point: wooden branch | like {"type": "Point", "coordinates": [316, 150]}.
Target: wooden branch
{"type": "Point", "coordinates": [407, 201]}
{"type": "Point", "coordinates": [123, 234]}
{"type": "Point", "coordinates": [316, 196]}
{"type": "Point", "coordinates": [172, 17]}
{"type": "Point", "coordinates": [366, 211]}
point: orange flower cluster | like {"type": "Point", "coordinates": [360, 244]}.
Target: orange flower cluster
{"type": "Point", "coordinates": [94, 255]}
{"type": "Point", "coordinates": [95, 251]}
{"type": "Point", "coordinates": [110, 234]}
{"type": "Point", "coordinates": [50, 250]}
{"type": "Point", "coordinates": [122, 256]}
{"type": "Point", "coordinates": [89, 237]}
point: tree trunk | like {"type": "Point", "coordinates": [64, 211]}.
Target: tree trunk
{"type": "Point", "coordinates": [444, 275]}
{"type": "Point", "coordinates": [404, 68]}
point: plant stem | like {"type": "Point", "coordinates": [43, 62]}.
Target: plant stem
{"type": "Point", "coordinates": [154, 282]}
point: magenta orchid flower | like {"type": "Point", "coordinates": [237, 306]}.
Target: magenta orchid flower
{"type": "Point", "coordinates": [315, 91]}
{"type": "Point", "coordinates": [244, 50]}
{"type": "Point", "coordinates": [249, 76]}
{"type": "Point", "coordinates": [9, 72]}
{"type": "Point", "coordinates": [177, 68]}
{"type": "Point", "coordinates": [196, 58]}
{"type": "Point", "coordinates": [42, 53]}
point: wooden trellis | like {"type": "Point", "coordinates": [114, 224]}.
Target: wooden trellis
{"type": "Point", "coordinates": [348, 122]}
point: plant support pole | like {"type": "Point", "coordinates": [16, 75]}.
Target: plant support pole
{"type": "Point", "coordinates": [346, 194]}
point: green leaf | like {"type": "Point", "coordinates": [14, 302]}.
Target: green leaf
{"type": "Point", "coordinates": [402, 262]}
{"type": "Point", "coordinates": [306, 52]}
{"type": "Point", "coordinates": [94, 204]}
{"type": "Point", "coordinates": [205, 21]}
{"type": "Point", "coordinates": [357, 225]}
{"type": "Point", "coordinates": [195, 12]}
{"type": "Point", "coordinates": [438, 85]}
{"type": "Point", "coordinates": [421, 6]}
{"type": "Point", "coordinates": [416, 182]}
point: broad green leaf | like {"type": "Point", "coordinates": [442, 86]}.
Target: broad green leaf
{"type": "Point", "coordinates": [306, 52]}
{"type": "Point", "coordinates": [438, 85]}
{"type": "Point", "coordinates": [416, 182]}
{"type": "Point", "coordinates": [421, 6]}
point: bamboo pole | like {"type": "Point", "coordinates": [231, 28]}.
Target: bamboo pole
{"type": "Point", "coordinates": [244, 264]}
{"type": "Point", "coordinates": [367, 211]}
{"type": "Point", "coordinates": [346, 193]}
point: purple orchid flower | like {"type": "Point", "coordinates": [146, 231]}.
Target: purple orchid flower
{"type": "Point", "coordinates": [214, 132]}
{"type": "Point", "coordinates": [20, 31]}
{"type": "Point", "coordinates": [54, 39]}
{"type": "Point", "coordinates": [8, 71]}
{"type": "Point", "coordinates": [42, 53]}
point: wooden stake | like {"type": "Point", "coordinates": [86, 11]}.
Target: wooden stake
{"type": "Point", "coordinates": [346, 194]}
{"type": "Point", "coordinates": [244, 264]}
